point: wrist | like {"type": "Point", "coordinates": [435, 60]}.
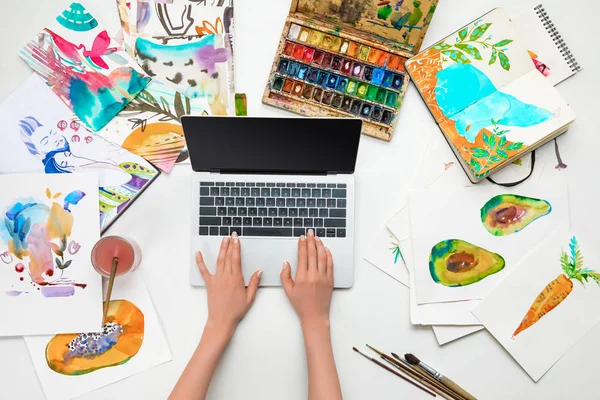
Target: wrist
{"type": "Point", "coordinates": [220, 329]}
{"type": "Point", "coordinates": [315, 325]}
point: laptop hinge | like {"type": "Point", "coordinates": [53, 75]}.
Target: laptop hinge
{"type": "Point", "coordinates": [250, 172]}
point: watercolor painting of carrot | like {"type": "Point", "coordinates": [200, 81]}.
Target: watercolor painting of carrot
{"type": "Point", "coordinates": [557, 291]}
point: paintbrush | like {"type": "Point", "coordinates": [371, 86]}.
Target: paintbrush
{"type": "Point", "coordinates": [111, 281]}
{"type": "Point", "coordinates": [393, 372]}
{"type": "Point", "coordinates": [411, 359]}
{"type": "Point", "coordinates": [426, 376]}
{"type": "Point", "coordinates": [433, 385]}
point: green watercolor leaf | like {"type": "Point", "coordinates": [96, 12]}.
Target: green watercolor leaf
{"type": "Point", "coordinates": [475, 165]}
{"type": "Point", "coordinates": [67, 264]}
{"type": "Point", "coordinates": [514, 146]}
{"type": "Point", "coordinates": [463, 33]}
{"type": "Point", "coordinates": [491, 142]}
{"type": "Point", "coordinates": [495, 159]}
{"type": "Point", "coordinates": [480, 153]}
{"type": "Point", "coordinates": [479, 31]}
{"type": "Point", "coordinates": [502, 154]}
{"type": "Point", "coordinates": [471, 50]}
{"type": "Point", "coordinates": [457, 56]}
{"type": "Point", "coordinates": [485, 138]}
{"type": "Point", "coordinates": [504, 61]}
{"type": "Point", "coordinates": [442, 46]}
{"type": "Point", "coordinates": [178, 105]}
{"type": "Point", "coordinates": [502, 141]}
{"type": "Point", "coordinates": [494, 57]}
{"type": "Point", "coordinates": [503, 43]}
{"type": "Point", "coordinates": [58, 263]}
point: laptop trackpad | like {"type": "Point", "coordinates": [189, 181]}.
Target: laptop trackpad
{"type": "Point", "coordinates": [268, 255]}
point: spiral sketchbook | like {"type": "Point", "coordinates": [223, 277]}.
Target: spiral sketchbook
{"type": "Point", "coordinates": [487, 96]}
{"type": "Point", "coordinates": [546, 46]}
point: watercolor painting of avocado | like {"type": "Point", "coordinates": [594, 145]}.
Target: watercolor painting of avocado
{"type": "Point", "coordinates": [131, 341]}
{"type": "Point", "coordinates": [466, 243]}
{"type": "Point", "coordinates": [87, 69]}
{"type": "Point", "coordinates": [548, 303]}
{"type": "Point", "coordinates": [48, 225]}
{"type": "Point", "coordinates": [506, 214]}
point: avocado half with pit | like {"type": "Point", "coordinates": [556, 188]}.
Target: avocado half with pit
{"type": "Point", "coordinates": [455, 262]}
{"type": "Point", "coordinates": [506, 214]}
{"type": "Point", "coordinates": [120, 339]}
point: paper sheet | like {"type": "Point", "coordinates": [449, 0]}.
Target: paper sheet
{"type": "Point", "coordinates": [447, 333]}
{"type": "Point", "coordinates": [47, 282]}
{"type": "Point", "coordinates": [385, 254]}
{"type": "Point", "coordinates": [135, 309]}
{"type": "Point", "coordinates": [452, 219]}
{"type": "Point", "coordinates": [41, 135]}
{"type": "Point", "coordinates": [547, 304]}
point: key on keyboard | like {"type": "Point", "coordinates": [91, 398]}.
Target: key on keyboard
{"type": "Point", "coordinates": [272, 210]}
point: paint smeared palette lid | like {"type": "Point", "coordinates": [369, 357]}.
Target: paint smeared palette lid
{"type": "Point", "coordinates": [401, 23]}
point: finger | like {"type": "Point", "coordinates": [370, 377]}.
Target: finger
{"type": "Point", "coordinates": [286, 278]}
{"type": "Point", "coordinates": [311, 250]}
{"type": "Point", "coordinates": [236, 257]}
{"type": "Point", "coordinates": [253, 286]}
{"type": "Point", "coordinates": [329, 265]}
{"type": "Point", "coordinates": [229, 257]}
{"type": "Point", "coordinates": [222, 256]}
{"type": "Point", "coordinates": [321, 257]}
{"type": "Point", "coordinates": [302, 258]}
{"type": "Point", "coordinates": [202, 267]}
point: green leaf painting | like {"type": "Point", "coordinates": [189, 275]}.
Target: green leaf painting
{"type": "Point", "coordinates": [479, 31]}
{"type": "Point", "coordinates": [457, 56]}
{"type": "Point", "coordinates": [470, 50]}
{"type": "Point", "coordinates": [514, 146]}
{"type": "Point", "coordinates": [470, 44]}
{"type": "Point", "coordinates": [480, 153]}
{"type": "Point", "coordinates": [504, 61]}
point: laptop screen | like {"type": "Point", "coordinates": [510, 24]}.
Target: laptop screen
{"type": "Point", "coordinates": [272, 145]}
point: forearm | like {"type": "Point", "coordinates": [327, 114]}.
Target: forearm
{"type": "Point", "coordinates": [323, 381]}
{"type": "Point", "coordinates": [195, 379]}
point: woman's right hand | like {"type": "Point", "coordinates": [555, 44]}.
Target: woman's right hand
{"type": "Point", "coordinates": [310, 292]}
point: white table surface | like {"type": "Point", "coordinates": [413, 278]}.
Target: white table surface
{"type": "Point", "coordinates": [265, 359]}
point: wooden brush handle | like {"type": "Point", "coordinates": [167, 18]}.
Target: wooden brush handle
{"type": "Point", "coordinates": [450, 384]}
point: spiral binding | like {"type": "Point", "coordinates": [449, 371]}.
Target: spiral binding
{"type": "Point", "coordinates": [557, 38]}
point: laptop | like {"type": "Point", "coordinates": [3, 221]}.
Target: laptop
{"type": "Point", "coordinates": [270, 180]}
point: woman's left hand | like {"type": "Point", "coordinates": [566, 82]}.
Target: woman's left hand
{"type": "Point", "coordinates": [228, 298]}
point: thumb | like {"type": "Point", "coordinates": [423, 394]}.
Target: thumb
{"type": "Point", "coordinates": [253, 286]}
{"type": "Point", "coordinates": [286, 277]}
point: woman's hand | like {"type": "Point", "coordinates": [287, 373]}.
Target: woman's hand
{"type": "Point", "coordinates": [310, 293]}
{"type": "Point", "coordinates": [228, 298]}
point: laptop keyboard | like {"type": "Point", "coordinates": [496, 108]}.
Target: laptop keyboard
{"type": "Point", "coordinates": [272, 209]}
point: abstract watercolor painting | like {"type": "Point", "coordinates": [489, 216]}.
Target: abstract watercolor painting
{"type": "Point", "coordinates": [42, 135]}
{"type": "Point", "coordinates": [455, 256]}
{"type": "Point", "coordinates": [49, 225]}
{"type": "Point", "coordinates": [485, 93]}
{"type": "Point", "coordinates": [404, 22]}
{"type": "Point", "coordinates": [183, 17]}
{"type": "Point", "coordinates": [547, 304]}
{"type": "Point", "coordinates": [506, 214]}
{"type": "Point", "coordinates": [85, 67]}
{"type": "Point", "coordinates": [131, 341]}
{"type": "Point", "coordinates": [198, 67]}
{"type": "Point", "coordinates": [150, 125]}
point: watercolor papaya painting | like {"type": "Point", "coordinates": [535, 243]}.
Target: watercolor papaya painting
{"type": "Point", "coordinates": [560, 288]}
{"type": "Point", "coordinates": [506, 214]}
{"type": "Point", "coordinates": [37, 232]}
{"type": "Point", "coordinates": [120, 340]}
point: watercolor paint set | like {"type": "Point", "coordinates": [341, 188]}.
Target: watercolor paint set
{"type": "Point", "coordinates": [346, 59]}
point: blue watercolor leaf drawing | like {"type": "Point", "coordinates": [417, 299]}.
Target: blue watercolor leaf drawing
{"type": "Point", "coordinates": [503, 43]}
{"type": "Point", "coordinates": [463, 33]}
{"type": "Point", "coordinates": [469, 49]}
{"type": "Point", "coordinates": [457, 56]}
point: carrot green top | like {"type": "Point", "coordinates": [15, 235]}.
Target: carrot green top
{"type": "Point", "coordinates": [572, 264]}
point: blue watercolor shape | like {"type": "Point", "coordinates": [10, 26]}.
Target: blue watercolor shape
{"type": "Point", "coordinates": [466, 95]}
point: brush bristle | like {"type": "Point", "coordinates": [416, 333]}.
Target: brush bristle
{"type": "Point", "coordinates": [411, 359]}
{"type": "Point", "coordinates": [355, 349]}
